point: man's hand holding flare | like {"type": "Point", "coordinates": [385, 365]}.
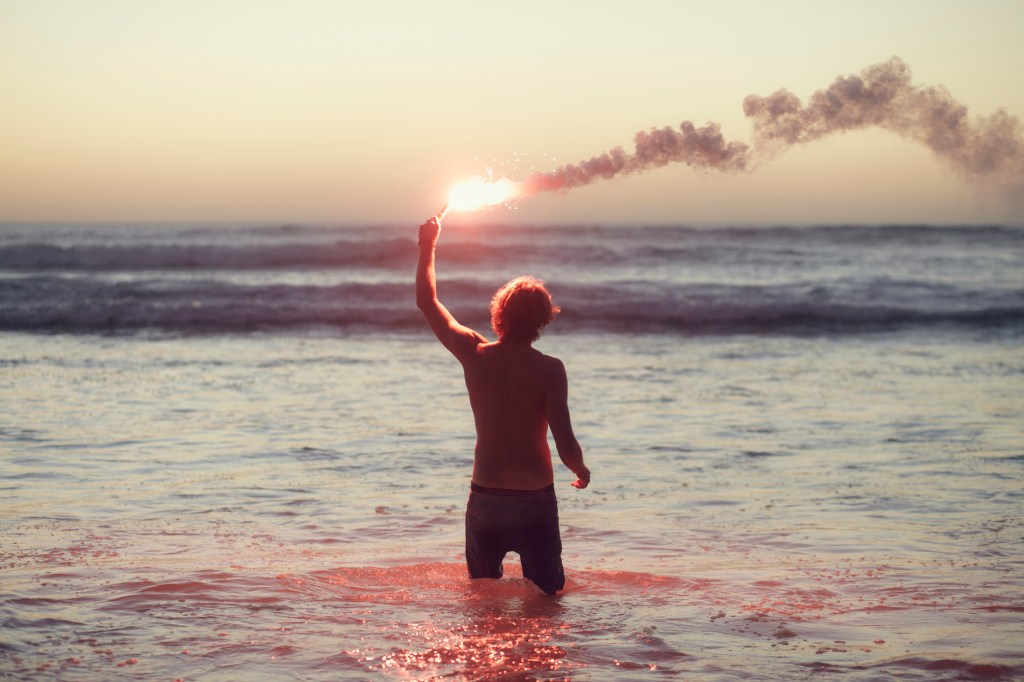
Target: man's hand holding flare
{"type": "Point", "coordinates": [431, 230]}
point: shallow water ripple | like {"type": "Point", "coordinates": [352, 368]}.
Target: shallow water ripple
{"type": "Point", "coordinates": [244, 507]}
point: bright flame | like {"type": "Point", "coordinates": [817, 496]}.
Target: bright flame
{"type": "Point", "coordinates": [475, 194]}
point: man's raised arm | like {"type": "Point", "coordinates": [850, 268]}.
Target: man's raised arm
{"type": "Point", "coordinates": [461, 341]}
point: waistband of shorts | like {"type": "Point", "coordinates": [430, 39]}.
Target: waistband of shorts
{"type": "Point", "coordinates": [511, 492]}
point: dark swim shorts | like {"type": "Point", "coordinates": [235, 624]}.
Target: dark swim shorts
{"type": "Point", "coordinates": [499, 521]}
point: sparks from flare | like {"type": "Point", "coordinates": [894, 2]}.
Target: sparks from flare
{"type": "Point", "coordinates": [478, 193]}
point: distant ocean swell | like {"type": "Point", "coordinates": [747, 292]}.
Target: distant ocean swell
{"type": "Point", "coordinates": [42, 303]}
{"type": "Point", "coordinates": [225, 248]}
{"type": "Point", "coordinates": [682, 280]}
{"type": "Point", "coordinates": [92, 257]}
{"type": "Point", "coordinates": [383, 254]}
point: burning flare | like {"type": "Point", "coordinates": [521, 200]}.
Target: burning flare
{"type": "Point", "coordinates": [478, 193]}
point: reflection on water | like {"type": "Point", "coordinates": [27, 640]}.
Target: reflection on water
{"type": "Point", "coordinates": [500, 631]}
{"type": "Point", "coordinates": [488, 629]}
{"type": "Point", "coordinates": [104, 605]}
{"type": "Point", "coordinates": [469, 628]}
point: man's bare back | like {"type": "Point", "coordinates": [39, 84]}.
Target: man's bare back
{"type": "Point", "coordinates": [508, 386]}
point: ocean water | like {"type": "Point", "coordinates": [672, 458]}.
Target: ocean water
{"type": "Point", "coordinates": [237, 452]}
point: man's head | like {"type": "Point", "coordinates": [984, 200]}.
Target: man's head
{"type": "Point", "coordinates": [521, 309]}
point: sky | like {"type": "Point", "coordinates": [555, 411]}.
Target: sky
{"type": "Point", "coordinates": [369, 112]}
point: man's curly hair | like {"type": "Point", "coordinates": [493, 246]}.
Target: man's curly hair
{"type": "Point", "coordinates": [521, 308]}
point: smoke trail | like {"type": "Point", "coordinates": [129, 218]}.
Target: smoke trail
{"type": "Point", "coordinates": [700, 147]}
{"type": "Point", "coordinates": [986, 149]}
{"type": "Point", "coordinates": [884, 96]}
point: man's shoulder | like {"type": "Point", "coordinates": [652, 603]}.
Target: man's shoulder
{"type": "Point", "coordinates": [549, 362]}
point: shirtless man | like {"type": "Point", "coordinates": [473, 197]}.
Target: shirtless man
{"type": "Point", "coordinates": [516, 393]}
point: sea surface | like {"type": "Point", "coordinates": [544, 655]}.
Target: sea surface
{"type": "Point", "coordinates": [236, 452]}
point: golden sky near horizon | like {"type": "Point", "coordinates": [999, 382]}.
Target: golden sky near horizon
{"type": "Point", "coordinates": [341, 112]}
